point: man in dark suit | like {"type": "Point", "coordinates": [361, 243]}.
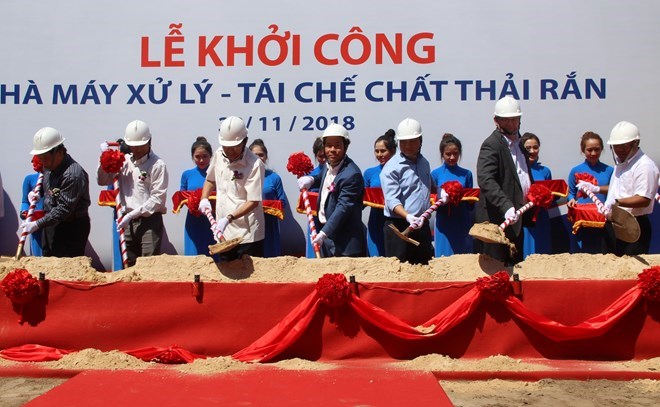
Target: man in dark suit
{"type": "Point", "coordinates": [504, 179]}
{"type": "Point", "coordinates": [341, 189]}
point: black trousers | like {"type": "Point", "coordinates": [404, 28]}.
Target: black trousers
{"type": "Point", "coordinates": [66, 239]}
{"type": "Point", "coordinates": [404, 251]}
{"type": "Point", "coordinates": [621, 248]}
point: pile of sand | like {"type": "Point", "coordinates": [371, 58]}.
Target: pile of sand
{"type": "Point", "coordinates": [467, 267]}
{"type": "Point", "coordinates": [292, 269]}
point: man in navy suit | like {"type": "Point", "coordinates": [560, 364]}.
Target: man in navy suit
{"type": "Point", "coordinates": [504, 179]}
{"type": "Point", "coordinates": [341, 189]}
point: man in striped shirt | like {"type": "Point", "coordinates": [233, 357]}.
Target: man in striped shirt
{"type": "Point", "coordinates": [66, 224]}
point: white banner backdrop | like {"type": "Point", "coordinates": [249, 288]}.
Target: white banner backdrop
{"type": "Point", "coordinates": [289, 68]}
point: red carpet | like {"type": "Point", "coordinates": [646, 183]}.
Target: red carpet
{"type": "Point", "coordinates": [265, 387]}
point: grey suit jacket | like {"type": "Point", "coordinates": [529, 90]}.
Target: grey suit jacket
{"type": "Point", "coordinates": [498, 181]}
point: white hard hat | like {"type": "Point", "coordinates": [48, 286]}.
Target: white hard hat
{"type": "Point", "coordinates": [622, 133]}
{"type": "Point", "coordinates": [507, 107]}
{"type": "Point", "coordinates": [408, 129]}
{"type": "Point", "coordinates": [137, 133]}
{"type": "Point", "coordinates": [232, 131]}
{"type": "Point", "coordinates": [335, 129]}
{"type": "Point", "coordinates": [45, 140]}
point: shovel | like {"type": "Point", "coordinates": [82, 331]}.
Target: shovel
{"type": "Point", "coordinates": [626, 227]}
{"type": "Point", "coordinates": [538, 195]}
{"type": "Point", "coordinates": [223, 245]}
{"type": "Point", "coordinates": [453, 193]}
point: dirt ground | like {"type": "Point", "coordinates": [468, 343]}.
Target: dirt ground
{"type": "Point", "coordinates": [16, 391]}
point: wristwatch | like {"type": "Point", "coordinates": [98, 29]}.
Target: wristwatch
{"type": "Point", "coordinates": [230, 217]}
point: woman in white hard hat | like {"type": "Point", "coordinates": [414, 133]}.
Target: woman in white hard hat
{"type": "Point", "coordinates": [143, 181]}
{"type": "Point", "coordinates": [66, 223]}
{"type": "Point", "coordinates": [633, 187]}
{"type": "Point", "coordinates": [384, 150]}
{"type": "Point", "coordinates": [238, 177]}
{"type": "Point", "coordinates": [589, 239]}
{"type": "Point", "coordinates": [273, 190]}
{"type": "Point", "coordinates": [406, 182]}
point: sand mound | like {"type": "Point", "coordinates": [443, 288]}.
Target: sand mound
{"type": "Point", "coordinates": [466, 267]}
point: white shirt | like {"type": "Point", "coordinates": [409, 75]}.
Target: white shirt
{"type": "Point", "coordinates": [237, 183]}
{"type": "Point", "coordinates": [638, 175]}
{"type": "Point", "coordinates": [520, 161]}
{"type": "Point", "coordinates": [142, 184]}
{"type": "Point", "coordinates": [328, 184]}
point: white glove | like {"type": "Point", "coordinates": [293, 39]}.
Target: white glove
{"type": "Point", "coordinates": [205, 205]}
{"type": "Point", "coordinates": [221, 225]}
{"type": "Point", "coordinates": [443, 195]}
{"type": "Point", "coordinates": [29, 227]}
{"type": "Point", "coordinates": [320, 237]}
{"type": "Point", "coordinates": [511, 214]}
{"type": "Point", "coordinates": [126, 220]}
{"type": "Point", "coordinates": [587, 186]}
{"type": "Point", "coordinates": [305, 182]}
{"type": "Point", "coordinates": [607, 207]}
{"type": "Point", "coordinates": [33, 197]}
{"type": "Point", "coordinates": [414, 221]}
{"type": "Point", "coordinates": [104, 146]}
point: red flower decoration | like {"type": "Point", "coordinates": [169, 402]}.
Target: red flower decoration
{"type": "Point", "coordinates": [20, 286]}
{"type": "Point", "coordinates": [586, 177]}
{"type": "Point", "coordinates": [540, 195]}
{"type": "Point", "coordinates": [454, 191]}
{"type": "Point", "coordinates": [299, 164]}
{"type": "Point", "coordinates": [495, 287]}
{"type": "Point", "coordinates": [649, 282]}
{"type": "Point", "coordinates": [193, 202]}
{"type": "Point", "coordinates": [112, 161]}
{"type": "Point", "coordinates": [36, 164]}
{"type": "Point", "coordinates": [333, 290]}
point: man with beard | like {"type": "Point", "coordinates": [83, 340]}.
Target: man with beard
{"type": "Point", "coordinates": [504, 179]}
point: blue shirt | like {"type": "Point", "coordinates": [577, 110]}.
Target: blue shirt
{"type": "Point", "coordinates": [540, 172]}
{"type": "Point", "coordinates": [602, 173]}
{"type": "Point", "coordinates": [406, 183]}
{"type": "Point", "coordinates": [372, 177]}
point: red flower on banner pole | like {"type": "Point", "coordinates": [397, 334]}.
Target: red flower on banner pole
{"type": "Point", "coordinates": [37, 166]}
{"type": "Point", "coordinates": [649, 282]}
{"type": "Point", "coordinates": [299, 164]}
{"type": "Point", "coordinates": [586, 177]}
{"type": "Point", "coordinates": [112, 161]}
{"type": "Point", "coordinates": [193, 202]}
{"type": "Point", "coordinates": [454, 191]}
{"type": "Point", "coordinates": [20, 287]}
{"type": "Point", "coordinates": [333, 290]}
{"type": "Point", "coordinates": [496, 287]}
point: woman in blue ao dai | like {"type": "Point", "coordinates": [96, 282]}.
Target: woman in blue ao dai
{"type": "Point", "coordinates": [384, 149]}
{"type": "Point", "coordinates": [197, 235]}
{"type": "Point", "coordinates": [272, 190]}
{"type": "Point", "coordinates": [452, 223]}
{"type": "Point", "coordinates": [537, 238]}
{"type": "Point", "coordinates": [589, 240]}
{"type": "Point", "coordinates": [319, 155]}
